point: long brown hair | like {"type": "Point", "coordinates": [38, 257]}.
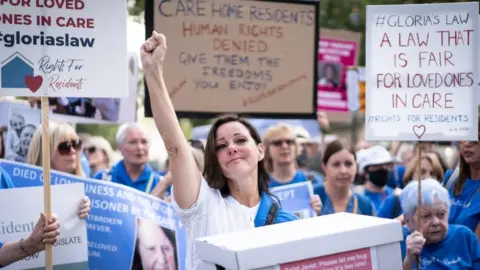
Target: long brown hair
{"type": "Point", "coordinates": [463, 174]}
{"type": "Point", "coordinates": [213, 172]}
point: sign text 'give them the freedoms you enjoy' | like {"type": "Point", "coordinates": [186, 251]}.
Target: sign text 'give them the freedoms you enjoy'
{"type": "Point", "coordinates": [249, 57]}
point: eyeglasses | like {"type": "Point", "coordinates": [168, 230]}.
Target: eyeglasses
{"type": "Point", "coordinates": [278, 143]}
{"type": "Point", "coordinates": [64, 147]}
{"type": "Point", "coordinates": [90, 150]}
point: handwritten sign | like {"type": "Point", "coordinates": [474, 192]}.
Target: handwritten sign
{"type": "Point", "coordinates": [63, 48]}
{"type": "Point", "coordinates": [240, 56]}
{"type": "Point", "coordinates": [422, 72]}
{"type": "Point", "coordinates": [360, 259]}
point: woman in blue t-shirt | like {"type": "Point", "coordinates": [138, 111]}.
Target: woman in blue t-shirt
{"type": "Point", "coordinates": [280, 161]}
{"type": "Point", "coordinates": [44, 232]}
{"type": "Point", "coordinates": [438, 244]}
{"type": "Point", "coordinates": [465, 192]}
{"type": "Point", "coordinates": [336, 192]}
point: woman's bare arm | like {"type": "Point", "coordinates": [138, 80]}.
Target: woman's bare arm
{"type": "Point", "coordinates": [185, 176]}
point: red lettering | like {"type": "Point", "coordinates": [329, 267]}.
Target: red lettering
{"type": "Point", "coordinates": [389, 80]}
{"type": "Point", "coordinates": [455, 37]}
{"type": "Point", "coordinates": [385, 39]}
{"type": "Point", "coordinates": [432, 100]}
{"type": "Point", "coordinates": [437, 59]}
{"type": "Point", "coordinates": [76, 22]}
{"type": "Point", "coordinates": [402, 60]}
{"type": "Point", "coordinates": [15, 19]}
{"type": "Point", "coordinates": [204, 29]}
{"type": "Point", "coordinates": [260, 31]}
{"type": "Point", "coordinates": [15, 3]}
{"type": "Point", "coordinates": [413, 40]}
{"type": "Point", "coordinates": [241, 45]}
{"type": "Point", "coordinates": [437, 80]}
{"type": "Point", "coordinates": [61, 4]}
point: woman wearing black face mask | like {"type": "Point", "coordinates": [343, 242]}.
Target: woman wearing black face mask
{"type": "Point", "coordinates": [375, 164]}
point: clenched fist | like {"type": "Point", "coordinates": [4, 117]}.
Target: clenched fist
{"type": "Point", "coordinates": [153, 52]}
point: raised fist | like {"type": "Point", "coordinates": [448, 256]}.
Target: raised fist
{"type": "Point", "coordinates": [153, 52]}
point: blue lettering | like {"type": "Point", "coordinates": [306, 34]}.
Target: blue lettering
{"type": "Point", "coordinates": [227, 10]}
{"type": "Point", "coordinates": [194, 8]}
{"type": "Point", "coordinates": [383, 118]}
{"type": "Point", "coordinates": [413, 118]}
{"type": "Point", "coordinates": [439, 118]}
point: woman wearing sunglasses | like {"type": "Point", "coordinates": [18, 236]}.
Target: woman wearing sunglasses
{"type": "Point", "coordinates": [99, 154]}
{"type": "Point", "coordinates": [65, 150]}
{"type": "Point", "coordinates": [281, 151]}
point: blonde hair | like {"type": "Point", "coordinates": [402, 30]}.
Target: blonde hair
{"type": "Point", "coordinates": [412, 168]}
{"type": "Point", "coordinates": [57, 133]}
{"type": "Point", "coordinates": [102, 144]}
{"type": "Point", "coordinates": [272, 132]}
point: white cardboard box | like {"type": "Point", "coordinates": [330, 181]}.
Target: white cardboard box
{"type": "Point", "coordinates": [339, 241]}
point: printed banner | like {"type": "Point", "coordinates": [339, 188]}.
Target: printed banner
{"type": "Point", "coordinates": [422, 72]}
{"type": "Point", "coordinates": [360, 259]}
{"type": "Point", "coordinates": [63, 48]}
{"type": "Point", "coordinates": [295, 198]}
{"type": "Point", "coordinates": [247, 56]}
{"type": "Point", "coordinates": [127, 229]}
{"type": "Point", "coordinates": [23, 123]}
{"type": "Point", "coordinates": [17, 222]}
{"type": "Point", "coordinates": [338, 51]}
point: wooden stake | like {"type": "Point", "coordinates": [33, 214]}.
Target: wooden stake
{"type": "Point", "coordinates": [46, 174]}
{"type": "Point", "coordinates": [419, 195]}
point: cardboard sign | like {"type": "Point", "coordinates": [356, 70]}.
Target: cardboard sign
{"type": "Point", "coordinates": [239, 56]}
{"type": "Point", "coordinates": [422, 70]}
{"type": "Point", "coordinates": [63, 48]}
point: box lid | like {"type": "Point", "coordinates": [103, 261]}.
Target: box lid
{"type": "Point", "coordinates": [298, 240]}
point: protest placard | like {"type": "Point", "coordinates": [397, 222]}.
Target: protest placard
{"type": "Point", "coordinates": [422, 72]}
{"type": "Point", "coordinates": [18, 221]}
{"type": "Point", "coordinates": [63, 48]}
{"type": "Point", "coordinates": [120, 220]}
{"type": "Point", "coordinates": [338, 50]}
{"type": "Point", "coordinates": [295, 198]}
{"type": "Point", "coordinates": [239, 56]}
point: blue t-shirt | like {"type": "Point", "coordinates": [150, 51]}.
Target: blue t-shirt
{"type": "Point", "coordinates": [390, 208]}
{"type": "Point", "coordinates": [264, 208]}
{"type": "Point", "coordinates": [465, 209]}
{"type": "Point", "coordinates": [459, 250]}
{"type": "Point", "coordinates": [300, 176]}
{"type": "Point", "coordinates": [396, 176]}
{"type": "Point", "coordinates": [5, 180]}
{"type": "Point", "coordinates": [377, 197]}
{"type": "Point", "coordinates": [146, 182]}
{"type": "Point", "coordinates": [364, 205]}
{"type": "Point", "coordinates": [85, 165]}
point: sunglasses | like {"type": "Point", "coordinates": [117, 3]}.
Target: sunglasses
{"type": "Point", "coordinates": [90, 150]}
{"type": "Point", "coordinates": [64, 147]}
{"type": "Point", "coordinates": [278, 143]}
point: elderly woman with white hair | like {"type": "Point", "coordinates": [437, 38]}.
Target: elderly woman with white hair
{"type": "Point", "coordinates": [134, 170]}
{"type": "Point", "coordinates": [438, 244]}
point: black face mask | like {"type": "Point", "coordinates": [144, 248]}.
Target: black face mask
{"type": "Point", "coordinates": [379, 178]}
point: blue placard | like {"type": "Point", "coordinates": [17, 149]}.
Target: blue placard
{"type": "Point", "coordinates": [117, 212]}
{"type": "Point", "coordinates": [295, 198]}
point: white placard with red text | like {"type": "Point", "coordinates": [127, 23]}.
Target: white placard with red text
{"type": "Point", "coordinates": [422, 72]}
{"type": "Point", "coordinates": [68, 48]}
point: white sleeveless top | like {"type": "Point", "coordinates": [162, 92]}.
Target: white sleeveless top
{"type": "Point", "coordinates": [210, 215]}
